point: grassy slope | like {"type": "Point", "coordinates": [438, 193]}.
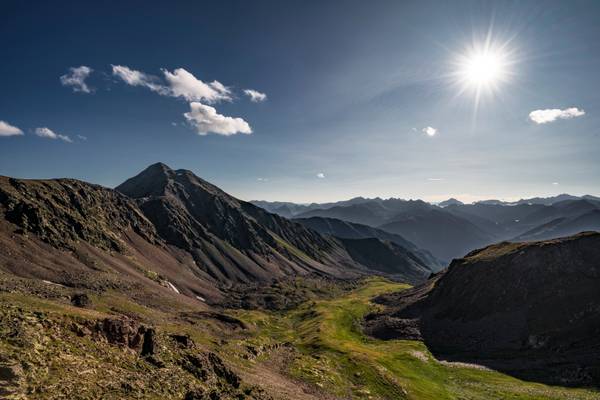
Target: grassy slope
{"type": "Point", "coordinates": [314, 351]}
{"type": "Point", "coordinates": [337, 358]}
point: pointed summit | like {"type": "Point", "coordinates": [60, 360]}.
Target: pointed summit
{"type": "Point", "coordinates": [150, 182]}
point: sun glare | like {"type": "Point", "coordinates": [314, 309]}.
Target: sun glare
{"type": "Point", "coordinates": [484, 68]}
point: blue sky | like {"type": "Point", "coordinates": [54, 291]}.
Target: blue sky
{"type": "Point", "coordinates": [350, 88]}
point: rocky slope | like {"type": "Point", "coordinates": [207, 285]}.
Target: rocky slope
{"type": "Point", "coordinates": [349, 230]}
{"type": "Point", "coordinates": [389, 258]}
{"type": "Point", "coordinates": [230, 240]}
{"type": "Point", "coordinates": [530, 309]}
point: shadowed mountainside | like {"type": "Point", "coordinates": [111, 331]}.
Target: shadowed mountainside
{"type": "Point", "coordinates": [349, 230]}
{"type": "Point", "coordinates": [528, 309]}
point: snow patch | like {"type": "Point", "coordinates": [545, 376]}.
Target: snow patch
{"type": "Point", "coordinates": [173, 287]}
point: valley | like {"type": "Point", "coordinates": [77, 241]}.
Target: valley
{"type": "Point", "coordinates": [315, 350]}
{"type": "Point", "coordinates": [169, 288]}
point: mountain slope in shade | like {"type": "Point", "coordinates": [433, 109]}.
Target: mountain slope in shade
{"type": "Point", "coordinates": [445, 235]}
{"type": "Point", "coordinates": [389, 258]}
{"type": "Point", "coordinates": [529, 309]}
{"type": "Point", "coordinates": [231, 240]}
{"type": "Point", "coordinates": [349, 230]}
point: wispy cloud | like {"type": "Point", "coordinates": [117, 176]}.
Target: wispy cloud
{"type": "Point", "coordinates": [179, 83]}
{"type": "Point", "coordinates": [321, 175]}
{"type": "Point", "coordinates": [133, 77]}
{"type": "Point", "coordinates": [435, 179]}
{"type": "Point", "coordinates": [183, 84]}
{"type": "Point", "coordinates": [429, 131]}
{"type": "Point", "coordinates": [49, 134]}
{"type": "Point", "coordinates": [81, 137]}
{"type": "Point", "coordinates": [552, 114]}
{"type": "Point", "coordinates": [262, 179]}
{"type": "Point", "coordinates": [7, 129]}
{"type": "Point", "coordinates": [76, 77]}
{"type": "Point", "coordinates": [555, 183]}
{"type": "Point", "coordinates": [255, 95]}
{"type": "Point", "coordinates": [206, 120]}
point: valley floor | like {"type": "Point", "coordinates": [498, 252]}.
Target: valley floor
{"type": "Point", "coordinates": [333, 355]}
{"type": "Point", "coordinates": [50, 349]}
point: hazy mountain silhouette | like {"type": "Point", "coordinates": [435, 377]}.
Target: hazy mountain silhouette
{"type": "Point", "coordinates": [449, 202]}
{"type": "Point", "coordinates": [447, 236]}
{"type": "Point", "coordinates": [455, 228]}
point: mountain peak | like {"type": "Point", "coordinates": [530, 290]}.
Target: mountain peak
{"type": "Point", "coordinates": [152, 181]}
{"type": "Point", "coordinates": [451, 201]}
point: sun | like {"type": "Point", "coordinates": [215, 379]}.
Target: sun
{"type": "Point", "coordinates": [484, 69]}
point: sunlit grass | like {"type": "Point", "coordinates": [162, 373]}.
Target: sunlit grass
{"type": "Point", "coordinates": [336, 357]}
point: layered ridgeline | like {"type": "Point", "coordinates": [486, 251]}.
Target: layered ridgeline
{"type": "Point", "coordinates": [349, 230]}
{"type": "Point", "coordinates": [529, 309]}
{"type": "Point", "coordinates": [170, 233]}
{"type": "Point", "coordinates": [451, 229]}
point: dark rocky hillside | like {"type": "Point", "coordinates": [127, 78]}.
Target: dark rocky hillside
{"type": "Point", "coordinates": [63, 212]}
{"type": "Point", "coordinates": [389, 258]}
{"type": "Point", "coordinates": [349, 230]}
{"type": "Point", "coordinates": [529, 309]}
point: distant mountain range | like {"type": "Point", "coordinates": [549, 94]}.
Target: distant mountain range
{"type": "Point", "coordinates": [451, 228]}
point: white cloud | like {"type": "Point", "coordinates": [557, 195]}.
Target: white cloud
{"type": "Point", "coordinates": [255, 95]}
{"type": "Point", "coordinates": [435, 179]}
{"type": "Point", "coordinates": [48, 133]}
{"type": "Point", "coordinates": [429, 131]}
{"type": "Point", "coordinates": [81, 137]}
{"type": "Point", "coordinates": [321, 175]}
{"type": "Point", "coordinates": [206, 120]}
{"type": "Point", "coordinates": [262, 179]}
{"type": "Point", "coordinates": [179, 83]}
{"type": "Point", "coordinates": [76, 77]}
{"type": "Point", "coordinates": [183, 84]}
{"type": "Point", "coordinates": [7, 129]}
{"type": "Point", "coordinates": [552, 114]}
{"type": "Point", "coordinates": [139, 78]}
{"type": "Point", "coordinates": [555, 183]}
